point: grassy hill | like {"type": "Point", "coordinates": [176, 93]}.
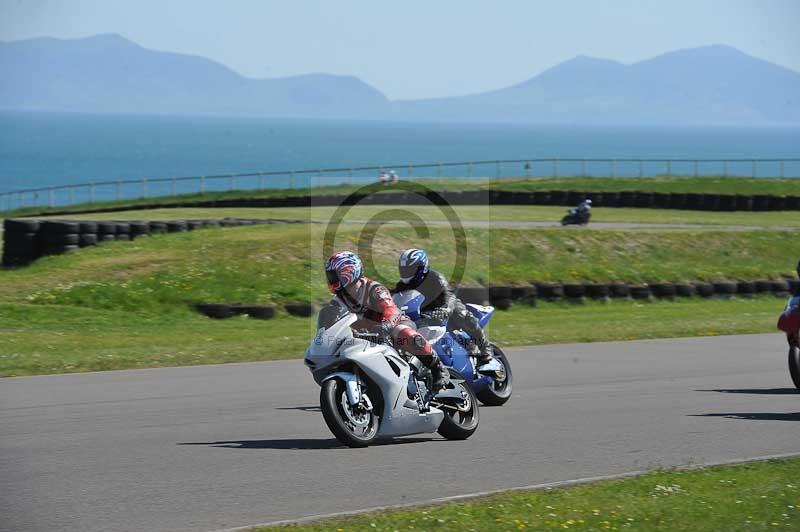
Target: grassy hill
{"type": "Point", "coordinates": [129, 304]}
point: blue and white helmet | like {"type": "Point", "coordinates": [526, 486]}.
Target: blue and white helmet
{"type": "Point", "coordinates": [413, 265]}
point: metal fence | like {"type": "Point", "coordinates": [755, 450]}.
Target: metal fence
{"type": "Point", "coordinates": [126, 189]}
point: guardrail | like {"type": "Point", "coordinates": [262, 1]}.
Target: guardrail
{"type": "Point", "coordinates": [91, 192]}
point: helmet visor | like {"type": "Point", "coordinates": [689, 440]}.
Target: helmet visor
{"type": "Point", "coordinates": [333, 280]}
{"type": "Point", "coordinates": [407, 273]}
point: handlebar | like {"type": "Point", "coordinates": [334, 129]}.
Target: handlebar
{"type": "Point", "coordinates": [375, 338]}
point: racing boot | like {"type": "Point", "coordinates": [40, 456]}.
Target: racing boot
{"type": "Point", "coordinates": [440, 375]}
{"type": "Point", "coordinates": [485, 353]}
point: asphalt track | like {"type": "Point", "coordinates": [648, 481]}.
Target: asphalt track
{"type": "Point", "coordinates": [212, 447]}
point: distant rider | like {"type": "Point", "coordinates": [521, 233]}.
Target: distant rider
{"type": "Point", "coordinates": [584, 208]}
{"type": "Point", "coordinates": [440, 302]}
{"type": "Point", "coordinates": [376, 310]}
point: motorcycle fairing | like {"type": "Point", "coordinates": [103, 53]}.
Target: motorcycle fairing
{"type": "Point", "coordinates": [481, 312]}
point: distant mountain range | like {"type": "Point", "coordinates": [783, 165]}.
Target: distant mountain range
{"type": "Point", "coordinates": [711, 85]}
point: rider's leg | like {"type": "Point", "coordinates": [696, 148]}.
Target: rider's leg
{"type": "Point", "coordinates": [464, 320]}
{"type": "Point", "coordinates": [407, 338]}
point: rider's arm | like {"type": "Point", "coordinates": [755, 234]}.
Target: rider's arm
{"type": "Point", "coordinates": [382, 302]}
{"type": "Point", "coordinates": [448, 297]}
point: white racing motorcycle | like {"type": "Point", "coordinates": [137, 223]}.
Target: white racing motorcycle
{"type": "Point", "coordinates": [369, 390]}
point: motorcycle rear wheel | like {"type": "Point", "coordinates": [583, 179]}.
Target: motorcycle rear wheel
{"type": "Point", "coordinates": [794, 365]}
{"type": "Point", "coordinates": [497, 393]}
{"type": "Point", "coordinates": [462, 423]}
{"type": "Point", "coordinates": [352, 426]}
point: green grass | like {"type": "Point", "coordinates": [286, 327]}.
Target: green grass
{"type": "Point", "coordinates": [40, 339]}
{"type": "Point", "coordinates": [44, 339]}
{"type": "Point", "coordinates": [128, 304]}
{"type": "Point", "coordinates": [467, 213]}
{"type": "Point", "coordinates": [755, 496]}
{"type": "Point", "coordinates": [280, 263]}
{"type": "Point", "coordinates": [702, 184]}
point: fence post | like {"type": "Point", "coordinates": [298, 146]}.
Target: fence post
{"type": "Point", "coordinates": [439, 170]}
{"type": "Point", "coordinates": [469, 169]}
{"type": "Point", "coordinates": [410, 170]}
{"type": "Point", "coordinates": [202, 184]}
{"type": "Point", "coordinates": [234, 182]}
{"type": "Point", "coordinates": [695, 168]}
{"type": "Point", "coordinates": [52, 193]}
{"type": "Point", "coordinates": [583, 167]}
{"type": "Point", "coordinates": [260, 181]}
{"type": "Point", "coordinates": [172, 186]}
{"type": "Point", "coordinates": [613, 168]}
{"type": "Point", "coordinates": [144, 188]}
{"type": "Point", "coordinates": [669, 167]}
{"type": "Point", "coordinates": [91, 192]}
{"type": "Point", "coordinates": [72, 195]}
{"type": "Point", "coordinates": [117, 190]}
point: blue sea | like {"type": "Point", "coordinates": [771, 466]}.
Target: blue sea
{"type": "Point", "coordinates": [45, 149]}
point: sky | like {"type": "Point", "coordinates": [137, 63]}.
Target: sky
{"type": "Point", "coordinates": [418, 48]}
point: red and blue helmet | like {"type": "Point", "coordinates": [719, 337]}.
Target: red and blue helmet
{"type": "Point", "coordinates": [413, 265]}
{"type": "Point", "coordinates": [343, 269]}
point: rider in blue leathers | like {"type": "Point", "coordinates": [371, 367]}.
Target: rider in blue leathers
{"type": "Point", "coordinates": [440, 302]}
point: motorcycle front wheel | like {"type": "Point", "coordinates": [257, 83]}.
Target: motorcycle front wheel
{"type": "Point", "coordinates": [354, 426]}
{"type": "Point", "coordinates": [460, 418]}
{"type": "Point", "coordinates": [794, 365]}
{"type": "Point", "coordinates": [499, 391]}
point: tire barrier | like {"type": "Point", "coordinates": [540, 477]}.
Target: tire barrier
{"type": "Point", "coordinates": [641, 292]}
{"type": "Point", "coordinates": [746, 288]}
{"type": "Point", "coordinates": [221, 311]}
{"type": "Point", "coordinates": [476, 295]}
{"type": "Point", "coordinates": [597, 291]}
{"type": "Point", "coordinates": [725, 288]}
{"type": "Point", "coordinates": [685, 290]}
{"type": "Point", "coordinates": [663, 290]}
{"type": "Point", "coordinates": [302, 310]}
{"type": "Point", "coordinates": [26, 240]}
{"type": "Point", "coordinates": [619, 290]}
{"type": "Point", "coordinates": [502, 297]}
{"type": "Point", "coordinates": [550, 291]}
{"type": "Point", "coordinates": [704, 289]}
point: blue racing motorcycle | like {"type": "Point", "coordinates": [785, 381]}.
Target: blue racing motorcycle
{"type": "Point", "coordinates": [492, 381]}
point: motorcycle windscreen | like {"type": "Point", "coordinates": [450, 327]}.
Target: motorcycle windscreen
{"type": "Point", "coordinates": [409, 301]}
{"type": "Point", "coordinates": [329, 315]}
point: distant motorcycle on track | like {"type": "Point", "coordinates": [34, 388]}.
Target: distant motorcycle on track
{"type": "Point", "coordinates": [370, 390]}
{"type": "Point", "coordinates": [491, 382]}
{"type": "Point", "coordinates": [576, 217]}
{"type": "Point", "coordinates": [789, 322]}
